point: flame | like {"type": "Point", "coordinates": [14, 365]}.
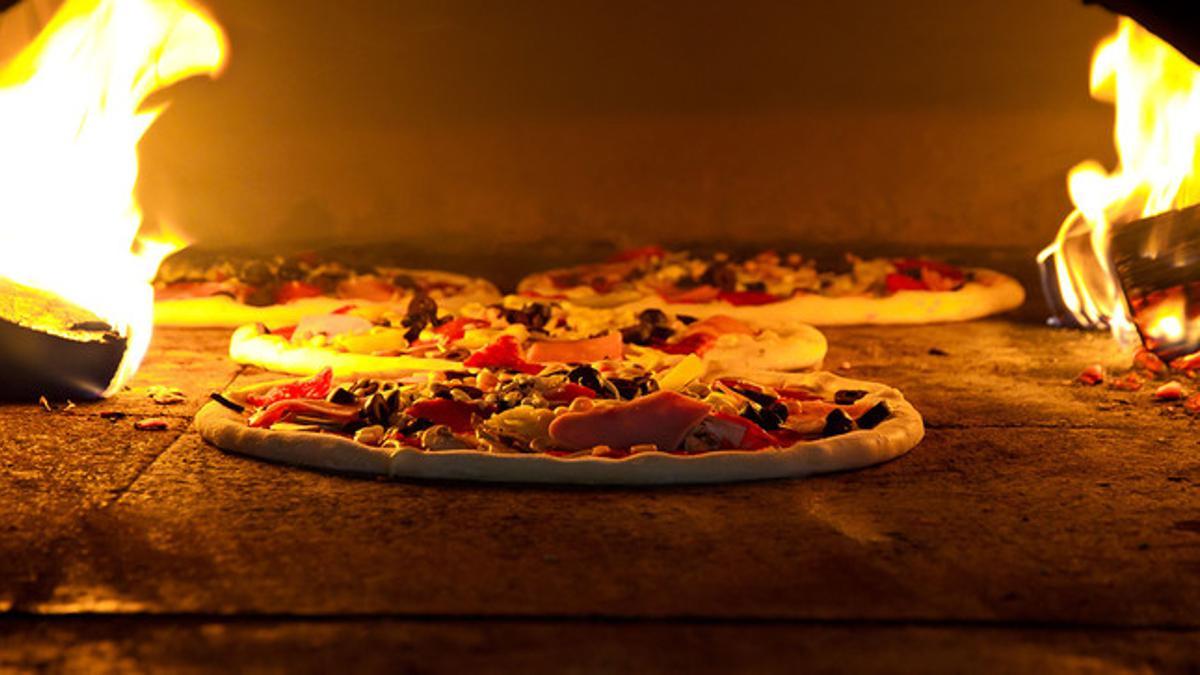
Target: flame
{"type": "Point", "coordinates": [1156, 92]}
{"type": "Point", "coordinates": [70, 120]}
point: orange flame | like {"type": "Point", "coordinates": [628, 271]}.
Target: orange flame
{"type": "Point", "coordinates": [70, 122]}
{"type": "Point", "coordinates": [1156, 91]}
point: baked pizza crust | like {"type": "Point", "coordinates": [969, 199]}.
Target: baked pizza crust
{"type": "Point", "coordinates": [250, 346]}
{"type": "Point", "coordinates": [222, 311]}
{"type": "Point", "coordinates": [798, 348]}
{"type": "Point", "coordinates": [857, 449]}
{"type": "Point", "coordinates": [989, 293]}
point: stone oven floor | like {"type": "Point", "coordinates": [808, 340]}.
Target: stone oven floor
{"type": "Point", "coordinates": [1040, 526]}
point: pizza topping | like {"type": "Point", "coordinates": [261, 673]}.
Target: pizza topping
{"type": "Point", "coordinates": [504, 353]}
{"type": "Point", "coordinates": [317, 386]}
{"type": "Point", "coordinates": [837, 422]}
{"type": "Point", "coordinates": [533, 315]}
{"type": "Point", "coordinates": [662, 418]}
{"type": "Point", "coordinates": [235, 407]}
{"type": "Point", "coordinates": [748, 298]}
{"type": "Point", "coordinates": [652, 327]}
{"type": "Point", "coordinates": [847, 396]}
{"type": "Point", "coordinates": [722, 431]}
{"type": "Point", "coordinates": [602, 348]}
{"type": "Point", "coordinates": [422, 311]}
{"type": "Point", "coordinates": [454, 414]}
{"type": "Point", "coordinates": [524, 428]}
{"type": "Point", "coordinates": [367, 287]}
{"type": "Point", "coordinates": [289, 291]}
{"type": "Point", "coordinates": [372, 435]}
{"type": "Point", "coordinates": [317, 411]}
{"type": "Point", "coordinates": [329, 325]}
{"type": "Point", "coordinates": [696, 343]}
{"type": "Point", "coordinates": [568, 392]}
{"type": "Point", "coordinates": [636, 254]}
{"type": "Point", "coordinates": [196, 289]}
{"type": "Point", "coordinates": [874, 416]}
{"type": "Point", "coordinates": [441, 437]}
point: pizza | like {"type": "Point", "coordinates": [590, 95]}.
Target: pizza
{"type": "Point", "coordinates": [519, 333]}
{"type": "Point", "coordinates": [605, 423]}
{"type": "Point", "coordinates": [222, 290]}
{"type": "Point", "coordinates": [783, 289]}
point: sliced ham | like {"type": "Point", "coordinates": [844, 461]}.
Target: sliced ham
{"type": "Point", "coordinates": [195, 289]}
{"type": "Point", "coordinates": [662, 418]}
{"type": "Point", "coordinates": [698, 294]}
{"type": "Point", "coordinates": [719, 324]}
{"type": "Point", "coordinates": [603, 348]}
{"type": "Point", "coordinates": [366, 287]}
{"type": "Point", "coordinates": [330, 325]}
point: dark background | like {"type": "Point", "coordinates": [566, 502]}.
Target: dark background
{"type": "Point", "coordinates": [452, 124]}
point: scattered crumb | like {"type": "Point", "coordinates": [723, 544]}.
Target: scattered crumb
{"type": "Point", "coordinates": [845, 365]}
{"type": "Point", "coordinates": [163, 395]}
{"type": "Point", "coordinates": [1171, 391]}
{"type": "Point", "coordinates": [1192, 404]}
{"type": "Point", "coordinates": [45, 404]}
{"type": "Point", "coordinates": [151, 424]}
{"type": "Point", "coordinates": [1092, 375]}
{"type": "Point", "coordinates": [1127, 382]}
{"type": "Point", "coordinates": [1147, 360]}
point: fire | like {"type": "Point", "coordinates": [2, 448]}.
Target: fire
{"type": "Point", "coordinates": [1156, 92]}
{"type": "Point", "coordinates": [70, 120]}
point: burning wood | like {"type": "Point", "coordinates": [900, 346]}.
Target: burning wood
{"type": "Point", "coordinates": [1157, 261]}
{"type": "Point", "coordinates": [77, 302]}
{"type": "Point", "coordinates": [1128, 256]}
{"type": "Point", "coordinates": [51, 348]}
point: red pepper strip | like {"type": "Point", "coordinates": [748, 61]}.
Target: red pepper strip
{"type": "Point", "coordinates": [696, 343]}
{"type": "Point", "coordinates": [903, 282]}
{"type": "Point", "coordinates": [454, 330]}
{"type": "Point", "coordinates": [317, 386]}
{"type": "Point", "coordinates": [285, 410]}
{"type": "Point", "coordinates": [568, 392]}
{"type": "Point", "coordinates": [454, 414]}
{"type": "Point", "coordinates": [602, 284]}
{"type": "Point", "coordinates": [295, 290]}
{"type": "Point", "coordinates": [503, 353]}
{"type": "Point", "coordinates": [543, 296]}
{"type": "Point", "coordinates": [797, 394]}
{"type": "Point", "coordinates": [785, 437]}
{"type": "Point", "coordinates": [754, 438]}
{"type": "Point", "coordinates": [344, 309]}
{"type": "Point", "coordinates": [698, 294]}
{"type": "Point", "coordinates": [640, 253]}
{"type": "Point", "coordinates": [743, 298]}
{"type": "Point", "coordinates": [916, 264]}
{"type": "Point", "coordinates": [286, 332]}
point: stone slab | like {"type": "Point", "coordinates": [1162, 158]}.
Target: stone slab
{"type": "Point", "coordinates": [1086, 526]}
{"type": "Point", "coordinates": [472, 646]}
